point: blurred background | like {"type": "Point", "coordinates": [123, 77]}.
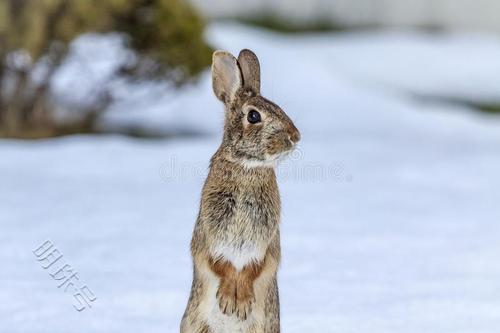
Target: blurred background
{"type": "Point", "coordinates": [391, 208]}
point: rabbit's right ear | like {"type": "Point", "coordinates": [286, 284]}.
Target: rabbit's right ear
{"type": "Point", "coordinates": [250, 70]}
{"type": "Point", "coordinates": [226, 76]}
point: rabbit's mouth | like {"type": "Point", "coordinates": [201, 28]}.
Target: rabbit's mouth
{"type": "Point", "coordinates": [270, 160]}
{"type": "Point", "coordinates": [278, 157]}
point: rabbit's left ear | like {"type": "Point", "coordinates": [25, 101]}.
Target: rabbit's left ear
{"type": "Point", "coordinates": [250, 70]}
{"type": "Point", "coordinates": [226, 76]}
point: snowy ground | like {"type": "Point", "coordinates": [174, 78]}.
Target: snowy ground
{"type": "Point", "coordinates": [390, 207]}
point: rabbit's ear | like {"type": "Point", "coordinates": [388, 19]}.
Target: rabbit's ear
{"type": "Point", "coordinates": [250, 70]}
{"type": "Point", "coordinates": [226, 76]}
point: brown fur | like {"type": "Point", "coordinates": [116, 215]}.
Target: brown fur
{"type": "Point", "coordinates": [235, 293]}
{"type": "Point", "coordinates": [240, 210]}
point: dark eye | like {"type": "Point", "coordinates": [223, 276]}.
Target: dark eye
{"type": "Point", "coordinates": [253, 117]}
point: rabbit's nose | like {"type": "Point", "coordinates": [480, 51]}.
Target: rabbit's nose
{"type": "Point", "coordinates": [294, 135]}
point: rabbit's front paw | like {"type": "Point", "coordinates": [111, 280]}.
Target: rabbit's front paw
{"type": "Point", "coordinates": [226, 296]}
{"type": "Point", "coordinates": [244, 300]}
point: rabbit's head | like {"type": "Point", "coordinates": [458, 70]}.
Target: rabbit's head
{"type": "Point", "coordinates": [256, 131]}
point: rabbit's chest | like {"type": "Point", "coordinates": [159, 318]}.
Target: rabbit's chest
{"type": "Point", "coordinates": [246, 234]}
{"type": "Point", "coordinates": [240, 253]}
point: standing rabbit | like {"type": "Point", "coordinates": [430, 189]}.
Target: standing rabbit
{"type": "Point", "coordinates": [236, 239]}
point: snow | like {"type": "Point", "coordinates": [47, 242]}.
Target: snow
{"type": "Point", "coordinates": [390, 205]}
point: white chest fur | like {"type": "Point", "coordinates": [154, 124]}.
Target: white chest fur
{"type": "Point", "coordinates": [239, 255]}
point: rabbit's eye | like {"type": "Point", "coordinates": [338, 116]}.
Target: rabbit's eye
{"type": "Point", "coordinates": [253, 117]}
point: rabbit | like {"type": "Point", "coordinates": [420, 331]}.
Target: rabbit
{"type": "Point", "coordinates": [236, 239]}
